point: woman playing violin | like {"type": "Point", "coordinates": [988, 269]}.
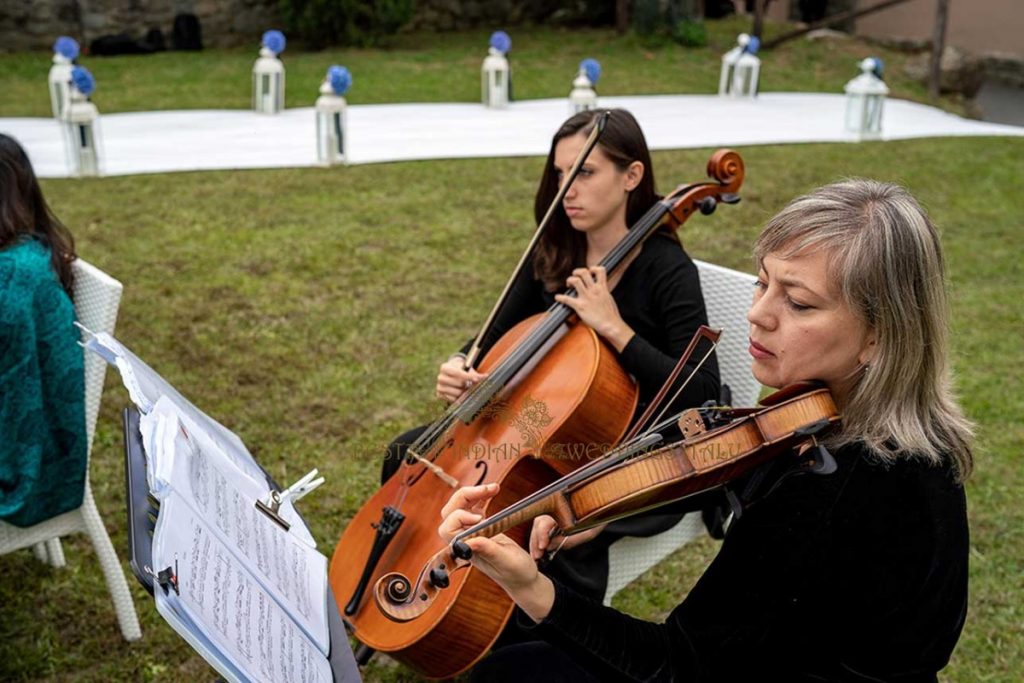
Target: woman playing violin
{"type": "Point", "coordinates": [647, 317]}
{"type": "Point", "coordinates": [858, 575]}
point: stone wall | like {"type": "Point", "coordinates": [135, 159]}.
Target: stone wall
{"type": "Point", "coordinates": [35, 24]}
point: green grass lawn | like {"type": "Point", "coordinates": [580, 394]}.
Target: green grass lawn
{"type": "Point", "coordinates": [307, 310]}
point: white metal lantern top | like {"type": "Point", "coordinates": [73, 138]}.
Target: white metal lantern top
{"type": "Point", "coordinates": [80, 109]}
{"type": "Point", "coordinates": [268, 63]}
{"type": "Point", "coordinates": [329, 100]}
{"type": "Point", "coordinates": [730, 57]}
{"type": "Point", "coordinates": [867, 83]}
{"type": "Point", "coordinates": [495, 61]}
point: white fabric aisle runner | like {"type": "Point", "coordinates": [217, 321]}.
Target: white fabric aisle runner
{"type": "Point", "coordinates": [159, 142]}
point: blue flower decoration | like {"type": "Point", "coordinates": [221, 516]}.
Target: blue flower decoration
{"type": "Point", "coordinates": [66, 47]}
{"type": "Point", "coordinates": [340, 79]}
{"type": "Point", "coordinates": [83, 80]}
{"type": "Point", "coordinates": [501, 42]}
{"type": "Point", "coordinates": [592, 68]}
{"type": "Point", "coordinates": [274, 41]}
{"type": "Point", "coordinates": [879, 67]}
{"type": "Point", "coordinates": [753, 46]}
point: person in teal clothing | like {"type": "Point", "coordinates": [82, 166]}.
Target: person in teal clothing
{"type": "Point", "coordinates": [43, 446]}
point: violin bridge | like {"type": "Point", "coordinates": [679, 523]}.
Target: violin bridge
{"type": "Point", "coordinates": [691, 424]}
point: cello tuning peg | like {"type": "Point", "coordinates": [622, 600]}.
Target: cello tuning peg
{"type": "Point", "coordinates": [729, 198]}
{"type": "Point", "coordinates": [439, 578]}
{"type": "Point", "coordinates": [707, 205]}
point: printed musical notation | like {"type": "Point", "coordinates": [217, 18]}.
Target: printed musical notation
{"type": "Point", "coordinates": [222, 599]}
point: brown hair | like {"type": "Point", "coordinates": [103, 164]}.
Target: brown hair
{"type": "Point", "coordinates": [562, 248]}
{"type": "Point", "coordinates": [24, 212]}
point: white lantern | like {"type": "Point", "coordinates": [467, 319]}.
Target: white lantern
{"type": "Point", "coordinates": [494, 80]}
{"type": "Point", "coordinates": [729, 60]}
{"type": "Point", "coordinates": [582, 97]}
{"type": "Point", "coordinates": [330, 126]}
{"type": "Point", "coordinates": [865, 98]}
{"type": "Point", "coordinates": [267, 83]}
{"type": "Point", "coordinates": [81, 135]}
{"type": "Point", "coordinates": [60, 85]}
{"type": "Point", "coordinates": [741, 68]}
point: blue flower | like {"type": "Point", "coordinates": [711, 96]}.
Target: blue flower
{"type": "Point", "coordinates": [592, 68]}
{"type": "Point", "coordinates": [66, 47]}
{"type": "Point", "coordinates": [879, 67]}
{"type": "Point", "coordinates": [753, 46]}
{"type": "Point", "coordinates": [274, 41]}
{"type": "Point", "coordinates": [501, 42]}
{"type": "Point", "coordinates": [340, 79]}
{"type": "Point", "coordinates": [83, 80]}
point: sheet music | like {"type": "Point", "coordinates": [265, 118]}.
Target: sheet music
{"type": "Point", "coordinates": [146, 387]}
{"type": "Point", "coordinates": [220, 598]}
{"type": "Point", "coordinates": [195, 470]}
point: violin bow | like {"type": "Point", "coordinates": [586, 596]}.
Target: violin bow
{"type": "Point", "coordinates": [703, 332]}
{"type": "Point", "coordinates": [581, 158]}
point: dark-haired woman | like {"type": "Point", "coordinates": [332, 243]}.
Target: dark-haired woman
{"type": "Point", "coordinates": [42, 405]}
{"type": "Point", "coordinates": [648, 316]}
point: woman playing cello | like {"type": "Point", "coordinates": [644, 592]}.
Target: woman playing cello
{"type": "Point", "coordinates": [647, 317]}
{"type": "Point", "coordinates": [859, 575]}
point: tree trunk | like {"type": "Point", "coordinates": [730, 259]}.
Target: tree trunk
{"type": "Point", "coordinates": [621, 16]}
{"type": "Point", "coordinates": [938, 45]}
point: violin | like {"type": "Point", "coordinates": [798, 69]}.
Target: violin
{"type": "Point", "coordinates": [634, 479]}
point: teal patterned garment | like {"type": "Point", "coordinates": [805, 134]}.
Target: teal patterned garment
{"type": "Point", "coordinates": [42, 402]}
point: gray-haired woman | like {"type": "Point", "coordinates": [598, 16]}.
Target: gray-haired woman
{"type": "Point", "coordinates": [860, 575]}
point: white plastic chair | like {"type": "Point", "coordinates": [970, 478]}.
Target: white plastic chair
{"type": "Point", "coordinates": [727, 297]}
{"type": "Point", "coordinates": [96, 297]}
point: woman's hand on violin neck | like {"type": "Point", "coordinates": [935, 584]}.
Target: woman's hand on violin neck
{"type": "Point", "coordinates": [498, 557]}
{"type": "Point", "coordinates": [541, 541]}
{"type": "Point", "coordinates": [595, 306]}
{"type": "Point", "coordinates": [453, 380]}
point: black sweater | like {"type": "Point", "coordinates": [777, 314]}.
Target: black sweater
{"type": "Point", "coordinates": [659, 297]}
{"type": "Point", "coordinates": [860, 575]}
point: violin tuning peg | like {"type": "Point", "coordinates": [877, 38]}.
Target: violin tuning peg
{"type": "Point", "coordinates": [707, 205]}
{"type": "Point", "coordinates": [461, 551]}
{"type": "Point", "coordinates": [729, 198]}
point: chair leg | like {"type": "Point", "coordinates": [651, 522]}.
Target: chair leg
{"type": "Point", "coordinates": [127, 619]}
{"type": "Point", "coordinates": [55, 553]}
{"type": "Point", "coordinates": [39, 550]}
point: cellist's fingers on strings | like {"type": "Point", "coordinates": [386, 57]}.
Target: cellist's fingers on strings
{"type": "Point", "coordinates": [469, 499]}
{"type": "Point", "coordinates": [453, 380]}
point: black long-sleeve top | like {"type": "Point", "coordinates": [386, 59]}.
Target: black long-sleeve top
{"type": "Point", "coordinates": [860, 575]}
{"type": "Point", "coordinates": [659, 297]}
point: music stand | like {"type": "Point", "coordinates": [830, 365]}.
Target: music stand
{"type": "Point", "coordinates": [142, 513]}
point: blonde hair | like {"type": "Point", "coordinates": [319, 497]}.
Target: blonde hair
{"type": "Point", "coordinates": [885, 258]}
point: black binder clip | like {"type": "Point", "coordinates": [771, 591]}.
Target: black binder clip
{"type": "Point", "coordinates": [272, 506]}
{"type": "Point", "coordinates": [167, 577]}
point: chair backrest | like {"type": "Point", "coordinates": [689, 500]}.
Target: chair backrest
{"type": "Point", "coordinates": [727, 297]}
{"type": "Point", "coordinates": [96, 297]}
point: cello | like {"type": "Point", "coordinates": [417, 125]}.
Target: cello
{"type": "Point", "coordinates": [551, 386]}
